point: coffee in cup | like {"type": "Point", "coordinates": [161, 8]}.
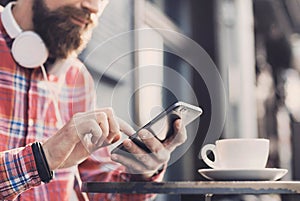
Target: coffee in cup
{"type": "Point", "coordinates": [239, 153]}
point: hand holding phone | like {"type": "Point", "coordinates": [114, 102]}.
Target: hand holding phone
{"type": "Point", "coordinates": [161, 126]}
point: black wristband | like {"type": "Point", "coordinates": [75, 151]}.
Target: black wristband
{"type": "Point", "coordinates": [42, 166]}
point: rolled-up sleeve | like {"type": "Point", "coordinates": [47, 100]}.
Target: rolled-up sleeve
{"type": "Point", "coordinates": [18, 172]}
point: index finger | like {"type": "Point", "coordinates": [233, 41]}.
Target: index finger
{"type": "Point", "coordinates": [125, 127]}
{"type": "Point", "coordinates": [113, 125]}
{"type": "Point", "coordinates": [112, 121]}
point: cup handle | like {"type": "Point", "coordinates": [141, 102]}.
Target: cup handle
{"type": "Point", "coordinates": [205, 150]}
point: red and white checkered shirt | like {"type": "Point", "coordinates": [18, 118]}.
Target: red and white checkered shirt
{"type": "Point", "coordinates": [27, 115]}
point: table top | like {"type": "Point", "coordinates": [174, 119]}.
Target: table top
{"type": "Point", "coordinates": [195, 187]}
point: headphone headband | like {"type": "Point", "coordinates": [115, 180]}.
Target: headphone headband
{"type": "Point", "coordinates": [11, 26]}
{"type": "Point", "coordinates": [28, 49]}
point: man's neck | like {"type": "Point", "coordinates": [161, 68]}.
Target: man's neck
{"type": "Point", "coordinates": [22, 12]}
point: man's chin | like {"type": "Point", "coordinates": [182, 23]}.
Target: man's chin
{"type": "Point", "coordinates": [86, 37]}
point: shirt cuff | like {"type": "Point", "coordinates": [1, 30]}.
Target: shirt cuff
{"type": "Point", "coordinates": [29, 166]}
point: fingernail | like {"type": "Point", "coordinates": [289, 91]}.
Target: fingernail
{"type": "Point", "coordinates": [127, 144]}
{"type": "Point", "coordinates": [145, 134]}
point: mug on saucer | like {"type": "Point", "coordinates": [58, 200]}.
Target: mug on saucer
{"type": "Point", "coordinates": [238, 153]}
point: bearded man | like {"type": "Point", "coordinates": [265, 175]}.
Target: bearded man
{"type": "Point", "coordinates": [48, 119]}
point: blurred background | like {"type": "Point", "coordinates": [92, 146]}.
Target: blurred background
{"type": "Point", "coordinates": [255, 46]}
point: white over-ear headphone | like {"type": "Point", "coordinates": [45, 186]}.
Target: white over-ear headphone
{"type": "Point", "coordinates": [28, 49]}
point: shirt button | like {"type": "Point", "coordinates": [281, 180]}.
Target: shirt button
{"type": "Point", "coordinates": [30, 122]}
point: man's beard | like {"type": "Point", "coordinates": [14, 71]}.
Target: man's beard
{"type": "Point", "coordinates": [61, 36]}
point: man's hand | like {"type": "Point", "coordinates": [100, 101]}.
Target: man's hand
{"type": "Point", "coordinates": [148, 163]}
{"type": "Point", "coordinates": [84, 133]}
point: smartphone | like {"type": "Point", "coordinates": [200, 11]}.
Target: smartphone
{"type": "Point", "coordinates": [161, 126]}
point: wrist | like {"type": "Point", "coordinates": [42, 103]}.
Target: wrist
{"type": "Point", "coordinates": [45, 173]}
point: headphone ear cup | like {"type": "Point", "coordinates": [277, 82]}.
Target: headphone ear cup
{"type": "Point", "coordinates": [29, 50]}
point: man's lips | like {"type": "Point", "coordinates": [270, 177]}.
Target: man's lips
{"type": "Point", "coordinates": [80, 21]}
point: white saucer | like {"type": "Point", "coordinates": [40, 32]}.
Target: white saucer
{"type": "Point", "coordinates": [266, 174]}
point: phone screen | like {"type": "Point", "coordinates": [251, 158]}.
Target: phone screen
{"type": "Point", "coordinates": [162, 126]}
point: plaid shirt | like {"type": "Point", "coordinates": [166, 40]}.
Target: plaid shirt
{"type": "Point", "coordinates": [27, 115]}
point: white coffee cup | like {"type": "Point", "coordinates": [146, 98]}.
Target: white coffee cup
{"type": "Point", "coordinates": [240, 153]}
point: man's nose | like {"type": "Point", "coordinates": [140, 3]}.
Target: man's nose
{"type": "Point", "coordinates": [92, 5]}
